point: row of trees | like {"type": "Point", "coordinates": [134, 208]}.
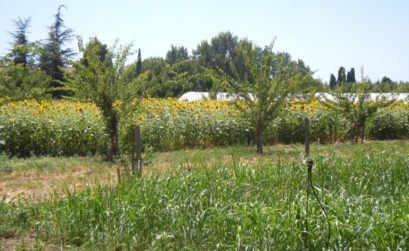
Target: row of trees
{"type": "Point", "coordinates": [36, 69]}
{"type": "Point", "coordinates": [102, 75]}
{"type": "Point", "coordinates": [343, 78]}
{"type": "Point", "coordinates": [347, 82]}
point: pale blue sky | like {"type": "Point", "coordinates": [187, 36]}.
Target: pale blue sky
{"type": "Point", "coordinates": [325, 34]}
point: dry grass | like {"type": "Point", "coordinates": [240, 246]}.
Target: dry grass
{"type": "Point", "coordinates": [37, 178]}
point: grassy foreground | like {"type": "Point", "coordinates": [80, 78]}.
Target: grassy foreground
{"type": "Point", "coordinates": [227, 199]}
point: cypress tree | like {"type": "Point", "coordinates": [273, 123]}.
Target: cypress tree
{"type": "Point", "coordinates": [341, 75]}
{"type": "Point", "coordinates": [351, 76]}
{"type": "Point", "coordinates": [332, 81]}
{"type": "Point", "coordinates": [139, 63]}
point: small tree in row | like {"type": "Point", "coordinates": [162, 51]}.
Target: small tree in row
{"type": "Point", "coordinates": [357, 107]}
{"type": "Point", "coordinates": [100, 77]}
{"type": "Point", "coordinates": [272, 78]}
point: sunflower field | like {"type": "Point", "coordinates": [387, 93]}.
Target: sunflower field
{"type": "Point", "coordinates": [56, 128]}
{"type": "Point", "coordinates": [72, 128]}
{"type": "Point", "coordinates": [170, 124]}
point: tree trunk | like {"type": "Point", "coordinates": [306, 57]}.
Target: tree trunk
{"type": "Point", "coordinates": [355, 133]}
{"type": "Point", "coordinates": [259, 137]}
{"type": "Point", "coordinates": [113, 135]}
{"type": "Point", "coordinates": [363, 131]}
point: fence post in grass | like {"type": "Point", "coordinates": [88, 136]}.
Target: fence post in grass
{"type": "Point", "coordinates": [307, 137]}
{"type": "Point", "coordinates": [138, 143]}
{"type": "Point", "coordinates": [307, 158]}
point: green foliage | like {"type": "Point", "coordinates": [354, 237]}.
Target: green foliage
{"type": "Point", "coordinates": [271, 79]}
{"type": "Point", "coordinates": [53, 56]}
{"type": "Point", "coordinates": [351, 76]}
{"type": "Point", "coordinates": [237, 206]}
{"type": "Point", "coordinates": [172, 80]}
{"type": "Point", "coordinates": [19, 82]}
{"type": "Point", "coordinates": [176, 54]}
{"type": "Point", "coordinates": [139, 66]}
{"type": "Point", "coordinates": [217, 54]}
{"type": "Point", "coordinates": [21, 52]}
{"type": "Point", "coordinates": [341, 75]}
{"type": "Point", "coordinates": [15, 219]}
{"type": "Point", "coordinates": [389, 123]}
{"type": "Point", "coordinates": [100, 77]}
{"type": "Point", "coordinates": [332, 81]}
{"type": "Point", "coordinates": [19, 76]}
{"type": "Point", "coordinates": [357, 109]}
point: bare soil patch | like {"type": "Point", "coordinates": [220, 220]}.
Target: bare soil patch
{"type": "Point", "coordinates": [36, 184]}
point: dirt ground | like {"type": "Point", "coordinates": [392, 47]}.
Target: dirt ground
{"type": "Point", "coordinates": [37, 184]}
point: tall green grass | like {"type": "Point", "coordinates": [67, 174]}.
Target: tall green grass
{"type": "Point", "coordinates": [236, 206]}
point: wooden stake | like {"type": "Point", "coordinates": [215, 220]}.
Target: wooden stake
{"type": "Point", "coordinates": [138, 143]}
{"type": "Point", "coordinates": [307, 137]}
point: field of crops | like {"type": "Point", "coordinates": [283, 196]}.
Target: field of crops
{"type": "Point", "coordinates": [51, 128]}
{"type": "Point", "coordinates": [236, 203]}
{"type": "Point", "coordinates": [63, 128]}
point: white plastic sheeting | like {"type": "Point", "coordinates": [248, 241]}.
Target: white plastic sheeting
{"type": "Point", "coordinates": [193, 96]}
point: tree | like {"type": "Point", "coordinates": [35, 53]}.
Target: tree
{"type": "Point", "coordinates": [351, 76]}
{"type": "Point", "coordinates": [332, 81]}
{"type": "Point", "coordinates": [385, 79]}
{"type": "Point", "coordinates": [341, 75]}
{"type": "Point", "coordinates": [176, 54]}
{"type": "Point", "coordinates": [272, 79]}
{"type": "Point", "coordinates": [357, 108]}
{"type": "Point", "coordinates": [217, 54]}
{"type": "Point", "coordinates": [53, 56]}
{"type": "Point", "coordinates": [21, 48]}
{"type": "Point", "coordinates": [94, 46]}
{"type": "Point", "coordinates": [19, 76]}
{"type": "Point", "coordinates": [19, 81]}
{"type": "Point", "coordinates": [102, 80]}
{"type": "Point", "coordinates": [139, 63]}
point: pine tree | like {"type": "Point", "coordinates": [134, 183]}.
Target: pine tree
{"type": "Point", "coordinates": [53, 56]}
{"type": "Point", "coordinates": [20, 52]}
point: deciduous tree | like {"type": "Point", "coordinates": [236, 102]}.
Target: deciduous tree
{"type": "Point", "coordinates": [272, 79]}
{"type": "Point", "coordinates": [100, 77]}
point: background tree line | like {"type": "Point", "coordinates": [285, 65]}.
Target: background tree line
{"type": "Point", "coordinates": [40, 69]}
{"type": "Point", "coordinates": [346, 81]}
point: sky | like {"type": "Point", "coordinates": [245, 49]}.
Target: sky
{"type": "Point", "coordinates": [372, 35]}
